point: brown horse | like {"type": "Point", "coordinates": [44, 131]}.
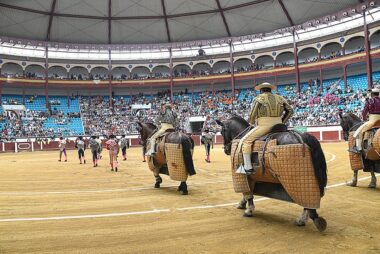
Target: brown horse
{"type": "Point", "coordinates": [236, 127]}
{"type": "Point", "coordinates": [158, 163]}
{"type": "Point", "coordinates": [350, 123]}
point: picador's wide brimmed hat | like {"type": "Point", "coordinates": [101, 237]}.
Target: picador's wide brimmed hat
{"type": "Point", "coordinates": [265, 85]}
{"type": "Point", "coordinates": [374, 90]}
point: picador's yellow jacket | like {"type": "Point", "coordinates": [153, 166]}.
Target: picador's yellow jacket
{"type": "Point", "coordinates": [267, 110]}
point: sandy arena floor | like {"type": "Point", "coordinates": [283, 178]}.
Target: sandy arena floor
{"type": "Point", "coordinates": [52, 207]}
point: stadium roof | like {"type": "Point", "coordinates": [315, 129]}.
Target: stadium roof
{"type": "Point", "coordinates": [155, 21]}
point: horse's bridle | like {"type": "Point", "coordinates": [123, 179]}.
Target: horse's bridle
{"type": "Point", "coordinates": [359, 123]}
{"type": "Point", "coordinates": [238, 136]}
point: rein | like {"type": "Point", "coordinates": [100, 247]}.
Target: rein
{"type": "Point", "coordinates": [359, 123]}
{"type": "Point", "coordinates": [240, 134]}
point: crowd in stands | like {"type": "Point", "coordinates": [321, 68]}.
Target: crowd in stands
{"type": "Point", "coordinates": [178, 72]}
{"type": "Point", "coordinates": [316, 105]}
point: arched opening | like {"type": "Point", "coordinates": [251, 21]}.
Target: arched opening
{"type": "Point", "coordinates": [375, 40]}
{"type": "Point", "coordinates": [57, 72]}
{"type": "Point", "coordinates": [331, 50]}
{"type": "Point", "coordinates": [308, 55]}
{"type": "Point", "coordinates": [11, 70]}
{"type": "Point", "coordinates": [264, 63]}
{"type": "Point", "coordinates": [201, 69]}
{"type": "Point", "coordinates": [181, 70]}
{"type": "Point", "coordinates": [120, 73]}
{"type": "Point", "coordinates": [221, 67]}
{"type": "Point", "coordinates": [140, 72]}
{"type": "Point", "coordinates": [161, 71]}
{"type": "Point", "coordinates": [285, 59]}
{"type": "Point", "coordinates": [354, 45]}
{"type": "Point", "coordinates": [99, 73]}
{"type": "Point", "coordinates": [34, 71]}
{"type": "Point", "coordinates": [78, 73]}
{"type": "Point", "coordinates": [243, 65]}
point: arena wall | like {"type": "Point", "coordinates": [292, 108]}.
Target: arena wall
{"type": "Point", "coordinates": [323, 134]}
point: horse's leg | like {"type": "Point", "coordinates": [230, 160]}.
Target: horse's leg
{"type": "Point", "coordinates": [354, 181]}
{"type": "Point", "coordinates": [301, 221]}
{"type": "Point", "coordinates": [372, 184]}
{"type": "Point", "coordinates": [249, 210]}
{"type": "Point", "coordinates": [183, 188]}
{"type": "Point", "coordinates": [242, 204]}
{"type": "Point", "coordinates": [158, 179]}
{"type": "Point", "coordinates": [319, 222]}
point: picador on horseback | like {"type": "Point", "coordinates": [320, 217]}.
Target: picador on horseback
{"type": "Point", "coordinates": [267, 110]}
{"type": "Point", "coordinates": [166, 120]}
{"type": "Point", "coordinates": [173, 154]}
{"type": "Point", "coordinates": [370, 114]}
{"type": "Point", "coordinates": [289, 165]}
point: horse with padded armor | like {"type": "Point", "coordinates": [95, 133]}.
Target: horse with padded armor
{"type": "Point", "coordinates": [292, 168]}
{"type": "Point", "coordinates": [173, 157]}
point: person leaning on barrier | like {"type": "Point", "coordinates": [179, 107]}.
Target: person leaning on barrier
{"type": "Point", "coordinates": [268, 109]}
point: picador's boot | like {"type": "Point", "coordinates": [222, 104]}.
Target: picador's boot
{"type": "Point", "coordinates": [247, 169]}
{"type": "Point", "coordinates": [152, 150]}
{"type": "Point", "coordinates": [354, 150]}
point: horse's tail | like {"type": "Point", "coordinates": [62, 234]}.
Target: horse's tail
{"type": "Point", "coordinates": [318, 159]}
{"type": "Point", "coordinates": [187, 145]}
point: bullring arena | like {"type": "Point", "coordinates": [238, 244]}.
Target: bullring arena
{"type": "Point", "coordinates": [51, 207]}
{"type": "Point", "coordinates": [109, 109]}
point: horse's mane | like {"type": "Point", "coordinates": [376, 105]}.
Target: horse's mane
{"type": "Point", "coordinates": [239, 119]}
{"type": "Point", "coordinates": [151, 125]}
{"type": "Point", "coordinates": [353, 117]}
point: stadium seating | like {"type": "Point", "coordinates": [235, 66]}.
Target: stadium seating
{"type": "Point", "coordinates": [68, 116]}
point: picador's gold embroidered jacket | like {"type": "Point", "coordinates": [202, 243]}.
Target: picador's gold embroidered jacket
{"type": "Point", "coordinates": [270, 105]}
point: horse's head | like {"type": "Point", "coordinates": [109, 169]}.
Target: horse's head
{"type": "Point", "coordinates": [145, 130]}
{"type": "Point", "coordinates": [227, 139]}
{"type": "Point", "coordinates": [348, 122]}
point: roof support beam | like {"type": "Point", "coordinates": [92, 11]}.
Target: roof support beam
{"type": "Point", "coordinates": [67, 15]}
{"type": "Point", "coordinates": [223, 17]}
{"type": "Point", "coordinates": [166, 20]}
{"type": "Point", "coordinates": [109, 20]}
{"type": "Point", "coordinates": [51, 15]}
{"type": "Point", "coordinates": [286, 13]}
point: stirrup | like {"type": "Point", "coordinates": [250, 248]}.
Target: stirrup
{"type": "Point", "coordinates": [241, 170]}
{"type": "Point", "coordinates": [354, 150]}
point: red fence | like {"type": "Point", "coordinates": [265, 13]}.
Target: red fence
{"type": "Point", "coordinates": [331, 133]}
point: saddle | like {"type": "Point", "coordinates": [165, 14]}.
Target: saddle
{"type": "Point", "coordinates": [370, 146]}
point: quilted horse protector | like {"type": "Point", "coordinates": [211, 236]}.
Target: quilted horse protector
{"type": "Point", "coordinates": [169, 160]}
{"type": "Point", "coordinates": [371, 149]}
{"type": "Point", "coordinates": [287, 165]}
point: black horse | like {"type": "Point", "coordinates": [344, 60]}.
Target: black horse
{"type": "Point", "coordinates": [146, 130]}
{"type": "Point", "coordinates": [350, 123]}
{"type": "Point", "coordinates": [237, 126]}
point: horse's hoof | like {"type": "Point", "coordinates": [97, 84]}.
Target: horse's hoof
{"type": "Point", "coordinates": [248, 215]}
{"type": "Point", "coordinates": [157, 185]}
{"type": "Point", "coordinates": [320, 223]}
{"type": "Point", "coordinates": [241, 206]}
{"type": "Point", "coordinates": [300, 223]}
{"type": "Point", "coordinates": [352, 184]}
{"type": "Point", "coordinates": [372, 185]}
{"type": "Point", "coordinates": [185, 193]}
